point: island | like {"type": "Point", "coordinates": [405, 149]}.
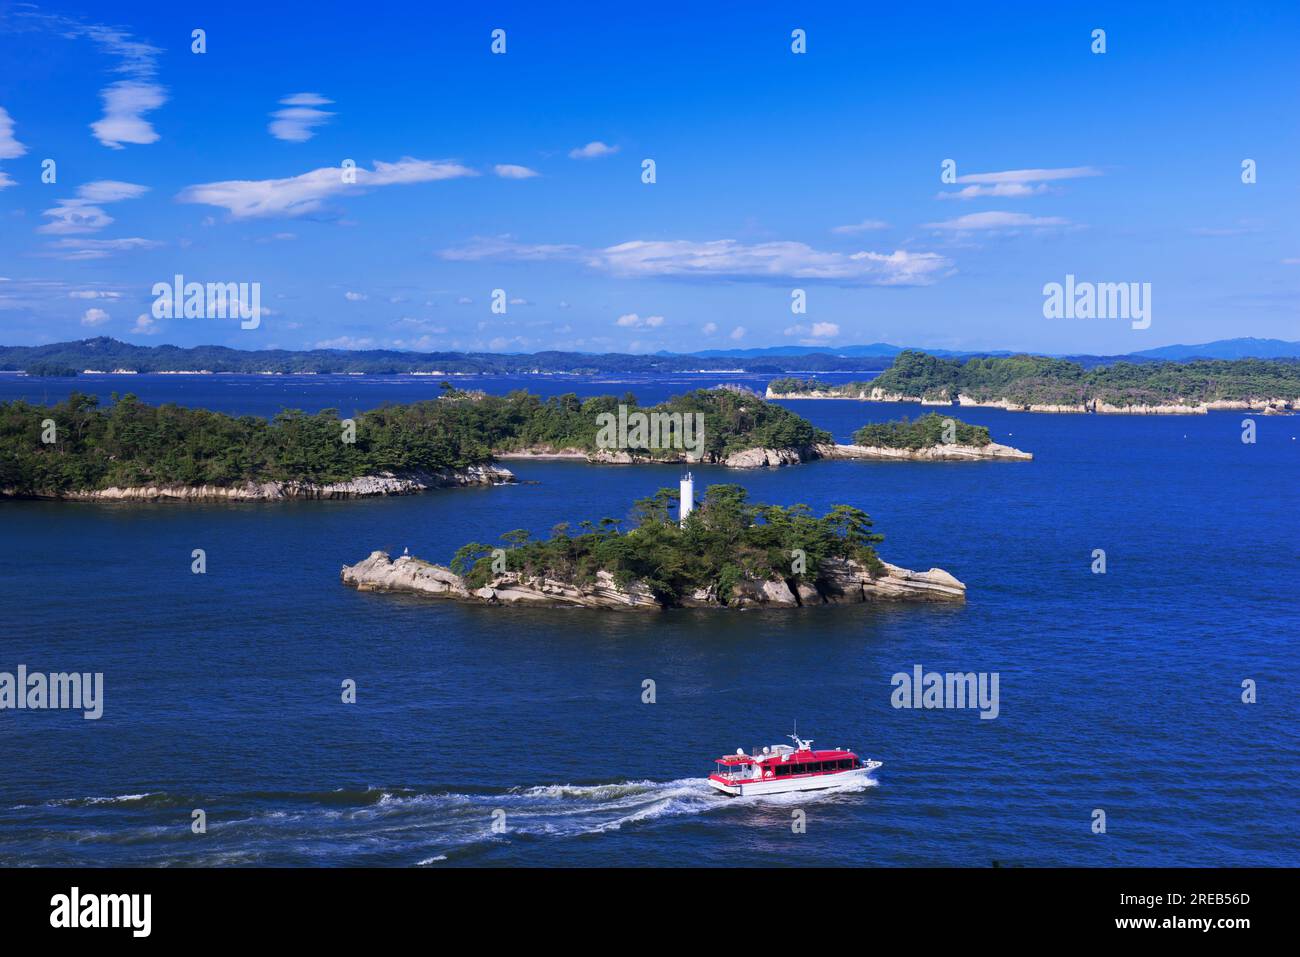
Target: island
{"type": "Point", "coordinates": [928, 438]}
{"type": "Point", "coordinates": [132, 451]}
{"type": "Point", "coordinates": [1027, 383]}
{"type": "Point", "coordinates": [724, 553]}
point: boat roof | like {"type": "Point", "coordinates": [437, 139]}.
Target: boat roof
{"type": "Point", "coordinates": [791, 756]}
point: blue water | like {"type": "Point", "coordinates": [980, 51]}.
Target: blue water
{"type": "Point", "coordinates": [1119, 692]}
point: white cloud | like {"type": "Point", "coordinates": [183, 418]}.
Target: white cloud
{"type": "Point", "coordinates": [298, 121]}
{"type": "Point", "coordinates": [110, 191]}
{"type": "Point", "coordinates": [593, 150]}
{"type": "Point", "coordinates": [720, 259]}
{"type": "Point", "coordinates": [1015, 183]}
{"type": "Point", "coordinates": [633, 321]}
{"type": "Point", "coordinates": [145, 325]}
{"type": "Point", "coordinates": [999, 190]}
{"type": "Point", "coordinates": [710, 328]}
{"type": "Point", "coordinates": [83, 213]}
{"type": "Point", "coordinates": [865, 226]}
{"type": "Point", "coordinates": [738, 333]}
{"type": "Point", "coordinates": [93, 294]}
{"type": "Point", "coordinates": [95, 317]}
{"type": "Point", "coordinates": [6, 180]}
{"type": "Point", "coordinates": [819, 332]}
{"type": "Point", "coordinates": [80, 249]}
{"type": "Point", "coordinates": [510, 171]}
{"type": "Point", "coordinates": [125, 102]}
{"type": "Point", "coordinates": [463, 300]}
{"type": "Point", "coordinates": [504, 247]}
{"type": "Point", "coordinates": [355, 296]}
{"type": "Point", "coordinates": [10, 148]}
{"type": "Point", "coordinates": [1030, 175]}
{"type": "Point", "coordinates": [307, 193]}
{"type": "Point", "coordinates": [997, 220]}
{"type": "Point", "coordinates": [346, 342]}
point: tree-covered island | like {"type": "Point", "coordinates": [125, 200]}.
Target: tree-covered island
{"type": "Point", "coordinates": [79, 448]}
{"type": "Point", "coordinates": [1043, 384]}
{"type": "Point", "coordinates": [729, 552]}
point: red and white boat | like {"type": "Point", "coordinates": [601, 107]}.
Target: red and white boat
{"type": "Point", "coordinates": [780, 767]}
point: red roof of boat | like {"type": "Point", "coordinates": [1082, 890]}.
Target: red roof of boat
{"type": "Point", "coordinates": [795, 757]}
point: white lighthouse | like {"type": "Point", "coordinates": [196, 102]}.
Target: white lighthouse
{"type": "Point", "coordinates": [687, 497]}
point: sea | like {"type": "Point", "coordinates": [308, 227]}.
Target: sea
{"type": "Point", "coordinates": [1133, 589]}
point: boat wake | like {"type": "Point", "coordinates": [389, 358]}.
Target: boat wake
{"type": "Point", "coordinates": [371, 826]}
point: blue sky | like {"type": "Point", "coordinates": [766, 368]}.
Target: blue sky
{"type": "Point", "coordinates": [775, 171]}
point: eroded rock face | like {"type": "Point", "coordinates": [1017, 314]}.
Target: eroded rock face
{"type": "Point", "coordinates": [841, 581]}
{"type": "Point", "coordinates": [747, 459]}
{"type": "Point", "coordinates": [387, 483]}
{"type": "Point", "coordinates": [765, 458]}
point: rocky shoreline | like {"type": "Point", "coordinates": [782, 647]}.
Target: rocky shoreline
{"type": "Point", "coordinates": [366, 486]}
{"type": "Point", "coordinates": [934, 453]}
{"type": "Point", "coordinates": [755, 458]}
{"type": "Point", "coordinates": [758, 458]}
{"type": "Point", "coordinates": [1089, 407]}
{"type": "Point", "coordinates": [842, 581]}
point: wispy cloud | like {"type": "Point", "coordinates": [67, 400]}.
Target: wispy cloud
{"type": "Point", "coordinates": [720, 259]}
{"type": "Point", "coordinates": [866, 226]}
{"type": "Point", "coordinates": [997, 220]}
{"type": "Point", "coordinates": [80, 249]}
{"type": "Point", "coordinates": [1015, 183]}
{"type": "Point", "coordinates": [593, 150]}
{"type": "Point", "coordinates": [125, 100]}
{"type": "Point", "coordinates": [84, 213]}
{"type": "Point", "coordinates": [94, 317]}
{"type": "Point", "coordinates": [10, 148]}
{"type": "Point", "coordinates": [510, 171]}
{"type": "Point", "coordinates": [308, 192]}
{"type": "Point", "coordinates": [298, 121]}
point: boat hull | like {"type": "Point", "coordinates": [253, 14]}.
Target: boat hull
{"type": "Point", "coordinates": [815, 782]}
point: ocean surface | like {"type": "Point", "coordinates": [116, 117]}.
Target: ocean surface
{"type": "Point", "coordinates": [1119, 692]}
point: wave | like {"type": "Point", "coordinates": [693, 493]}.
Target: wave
{"type": "Point", "coordinates": [411, 825]}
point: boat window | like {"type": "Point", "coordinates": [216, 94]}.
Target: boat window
{"type": "Point", "coordinates": [846, 763]}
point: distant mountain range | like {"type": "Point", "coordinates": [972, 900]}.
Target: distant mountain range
{"type": "Point", "coordinates": [1242, 348]}
{"type": "Point", "coordinates": [104, 354]}
{"type": "Point", "coordinates": [1245, 348]}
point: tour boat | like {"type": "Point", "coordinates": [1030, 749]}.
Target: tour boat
{"type": "Point", "coordinates": [780, 768]}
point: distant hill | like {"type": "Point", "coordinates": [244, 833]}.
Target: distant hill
{"type": "Point", "coordinates": [106, 354]}
{"type": "Point", "coordinates": [1244, 348]}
